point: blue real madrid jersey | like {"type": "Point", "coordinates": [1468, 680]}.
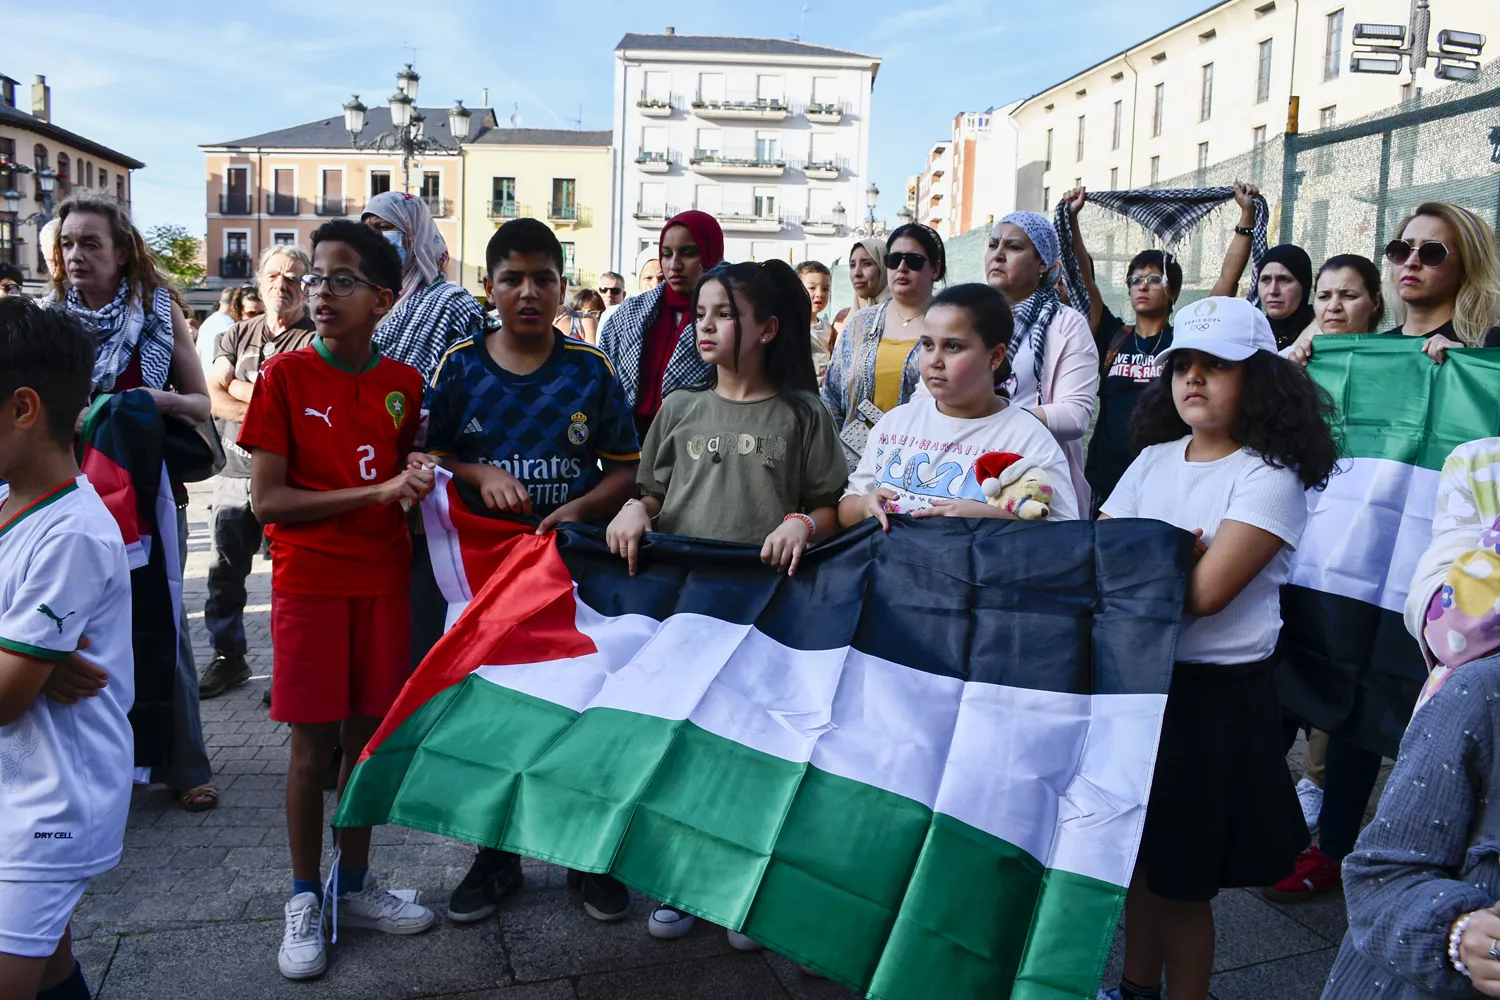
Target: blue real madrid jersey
{"type": "Point", "coordinates": [548, 429]}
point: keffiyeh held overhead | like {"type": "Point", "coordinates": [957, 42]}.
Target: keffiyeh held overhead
{"type": "Point", "coordinates": [1170, 213]}
{"type": "Point", "coordinates": [426, 250]}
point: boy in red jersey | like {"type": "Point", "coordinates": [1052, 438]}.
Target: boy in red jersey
{"type": "Point", "coordinates": [328, 430]}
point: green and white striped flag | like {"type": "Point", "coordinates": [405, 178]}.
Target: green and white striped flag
{"type": "Point", "coordinates": [1350, 667]}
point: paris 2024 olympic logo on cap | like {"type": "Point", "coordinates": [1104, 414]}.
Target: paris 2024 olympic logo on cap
{"type": "Point", "coordinates": [1200, 316]}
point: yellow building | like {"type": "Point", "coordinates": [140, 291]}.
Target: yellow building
{"type": "Point", "coordinates": [561, 177]}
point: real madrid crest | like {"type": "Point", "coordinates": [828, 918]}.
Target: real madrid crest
{"type": "Point", "coordinates": [578, 430]}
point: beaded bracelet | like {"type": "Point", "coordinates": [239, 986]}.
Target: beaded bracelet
{"type": "Point", "coordinates": [812, 527]}
{"type": "Point", "coordinates": [1454, 936]}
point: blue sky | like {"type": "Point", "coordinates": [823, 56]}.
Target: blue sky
{"type": "Point", "coordinates": [156, 79]}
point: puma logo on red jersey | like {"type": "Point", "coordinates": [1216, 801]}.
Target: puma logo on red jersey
{"type": "Point", "coordinates": [324, 416]}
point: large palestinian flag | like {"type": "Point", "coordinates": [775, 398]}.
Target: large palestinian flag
{"type": "Point", "coordinates": [919, 766]}
{"type": "Point", "coordinates": [1349, 665]}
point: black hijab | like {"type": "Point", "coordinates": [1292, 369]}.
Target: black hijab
{"type": "Point", "coordinates": [1295, 260]}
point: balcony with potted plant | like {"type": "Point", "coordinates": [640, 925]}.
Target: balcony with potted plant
{"type": "Point", "coordinates": [748, 221]}
{"type": "Point", "coordinates": [823, 170]}
{"type": "Point", "coordinates": [653, 213]}
{"type": "Point", "coordinates": [657, 107]}
{"type": "Point", "coordinates": [713, 163]}
{"type": "Point", "coordinates": [758, 109]}
{"type": "Point", "coordinates": [653, 161]}
{"type": "Point", "coordinates": [821, 225]}
{"type": "Point", "coordinates": [825, 113]}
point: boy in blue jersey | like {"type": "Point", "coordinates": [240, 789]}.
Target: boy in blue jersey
{"type": "Point", "coordinates": [536, 422]}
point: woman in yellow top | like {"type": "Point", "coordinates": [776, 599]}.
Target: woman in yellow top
{"type": "Point", "coordinates": [875, 359]}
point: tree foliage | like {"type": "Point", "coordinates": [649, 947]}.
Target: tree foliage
{"type": "Point", "coordinates": [176, 251]}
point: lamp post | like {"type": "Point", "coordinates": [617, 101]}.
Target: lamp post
{"type": "Point", "coordinates": [871, 226]}
{"type": "Point", "coordinates": [407, 134]}
{"type": "Point", "coordinates": [1388, 48]}
{"type": "Point", "coordinates": [46, 183]}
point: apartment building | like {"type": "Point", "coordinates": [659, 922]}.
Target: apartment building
{"type": "Point", "coordinates": [559, 176]}
{"type": "Point", "coordinates": [769, 136]}
{"type": "Point", "coordinates": [36, 152]}
{"type": "Point", "coordinates": [1212, 87]}
{"type": "Point", "coordinates": [277, 187]}
{"type": "Point", "coordinates": [970, 178]}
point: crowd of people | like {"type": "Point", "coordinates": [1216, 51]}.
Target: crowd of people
{"type": "Point", "coordinates": [721, 401]}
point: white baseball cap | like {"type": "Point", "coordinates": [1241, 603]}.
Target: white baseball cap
{"type": "Point", "coordinates": [1228, 328]}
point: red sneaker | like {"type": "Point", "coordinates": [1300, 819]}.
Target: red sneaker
{"type": "Point", "coordinates": [1315, 874]}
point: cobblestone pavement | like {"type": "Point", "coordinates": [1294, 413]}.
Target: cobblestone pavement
{"type": "Point", "coordinates": [195, 907]}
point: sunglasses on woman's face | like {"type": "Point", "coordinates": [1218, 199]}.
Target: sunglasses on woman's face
{"type": "Point", "coordinates": [913, 261]}
{"type": "Point", "coordinates": [1429, 254]}
{"type": "Point", "coordinates": [1144, 279]}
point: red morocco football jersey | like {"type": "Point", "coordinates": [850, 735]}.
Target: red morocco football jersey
{"type": "Point", "coordinates": [338, 429]}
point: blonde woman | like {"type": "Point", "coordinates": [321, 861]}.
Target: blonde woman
{"type": "Point", "coordinates": [1447, 273]}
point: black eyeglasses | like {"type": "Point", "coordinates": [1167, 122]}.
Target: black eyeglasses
{"type": "Point", "coordinates": [340, 285]}
{"type": "Point", "coordinates": [611, 291]}
{"type": "Point", "coordinates": [914, 261]}
{"type": "Point", "coordinates": [1430, 253]}
{"type": "Point", "coordinates": [1145, 279]}
{"type": "Point", "coordinates": [8, 288]}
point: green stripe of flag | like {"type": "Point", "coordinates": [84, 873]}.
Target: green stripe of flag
{"type": "Point", "coordinates": [1397, 405]}
{"type": "Point", "coordinates": [870, 887]}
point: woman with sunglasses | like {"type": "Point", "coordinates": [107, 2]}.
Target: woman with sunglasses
{"type": "Point", "coordinates": [1055, 365]}
{"type": "Point", "coordinates": [1447, 271]}
{"type": "Point", "coordinates": [583, 309]}
{"type": "Point", "coordinates": [875, 359]}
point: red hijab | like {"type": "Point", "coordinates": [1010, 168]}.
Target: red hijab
{"type": "Point", "coordinates": [710, 239]}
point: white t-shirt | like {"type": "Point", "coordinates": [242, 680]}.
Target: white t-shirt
{"type": "Point", "coordinates": [1163, 485]}
{"type": "Point", "coordinates": [926, 456]}
{"type": "Point", "coordinates": [208, 337]}
{"type": "Point", "coordinates": [65, 770]}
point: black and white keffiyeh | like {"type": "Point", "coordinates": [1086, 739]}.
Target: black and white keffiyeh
{"type": "Point", "coordinates": [424, 325]}
{"type": "Point", "coordinates": [1169, 213]}
{"type": "Point", "coordinates": [124, 329]}
{"type": "Point", "coordinates": [1033, 316]}
{"type": "Point", "coordinates": [622, 337]}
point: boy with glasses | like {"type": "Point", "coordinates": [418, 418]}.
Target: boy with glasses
{"type": "Point", "coordinates": [328, 430]}
{"type": "Point", "coordinates": [10, 280]}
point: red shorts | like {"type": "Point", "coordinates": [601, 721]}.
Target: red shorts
{"type": "Point", "coordinates": [338, 656]}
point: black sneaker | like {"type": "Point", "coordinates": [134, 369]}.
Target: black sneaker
{"type": "Point", "coordinates": [492, 876]}
{"type": "Point", "coordinates": [226, 672]}
{"type": "Point", "coordinates": [604, 898]}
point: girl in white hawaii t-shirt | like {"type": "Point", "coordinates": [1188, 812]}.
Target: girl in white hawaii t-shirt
{"type": "Point", "coordinates": [919, 458]}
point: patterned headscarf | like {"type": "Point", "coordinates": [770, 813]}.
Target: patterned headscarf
{"type": "Point", "coordinates": [426, 251]}
{"type": "Point", "coordinates": [1034, 315]}
{"type": "Point", "coordinates": [875, 248]}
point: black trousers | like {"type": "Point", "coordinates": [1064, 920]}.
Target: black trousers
{"type": "Point", "coordinates": [236, 539]}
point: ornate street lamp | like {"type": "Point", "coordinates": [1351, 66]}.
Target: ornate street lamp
{"type": "Point", "coordinates": [46, 183]}
{"type": "Point", "coordinates": [872, 196]}
{"type": "Point", "coordinates": [408, 132]}
{"type": "Point", "coordinates": [905, 215]}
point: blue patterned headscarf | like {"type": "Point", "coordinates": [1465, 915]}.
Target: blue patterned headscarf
{"type": "Point", "coordinates": [1038, 229]}
{"type": "Point", "coordinates": [1034, 315]}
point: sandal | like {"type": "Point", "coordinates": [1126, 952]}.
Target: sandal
{"type": "Point", "coordinates": [200, 799]}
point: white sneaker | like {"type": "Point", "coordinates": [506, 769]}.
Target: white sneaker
{"type": "Point", "coordinates": [302, 954]}
{"type": "Point", "coordinates": [740, 942]}
{"type": "Point", "coordinates": [669, 924]}
{"type": "Point", "coordinates": [1310, 797]}
{"type": "Point", "coordinates": [379, 910]}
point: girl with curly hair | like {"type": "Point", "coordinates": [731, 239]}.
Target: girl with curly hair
{"type": "Point", "coordinates": [1232, 436]}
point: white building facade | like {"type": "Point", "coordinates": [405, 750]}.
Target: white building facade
{"type": "Point", "coordinates": [1213, 87]}
{"type": "Point", "coordinates": [769, 136]}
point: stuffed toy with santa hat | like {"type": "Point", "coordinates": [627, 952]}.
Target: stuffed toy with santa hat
{"type": "Point", "coordinates": [1010, 484]}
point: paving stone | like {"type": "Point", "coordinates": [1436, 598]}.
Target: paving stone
{"type": "Point", "coordinates": [560, 989]}
{"type": "Point", "coordinates": [1249, 930]}
{"type": "Point", "coordinates": [199, 857]}
{"type": "Point", "coordinates": [177, 837]}
{"type": "Point", "coordinates": [801, 985]}
{"type": "Point", "coordinates": [94, 953]}
{"type": "Point", "coordinates": [1326, 916]}
{"type": "Point", "coordinates": [726, 977]}
{"type": "Point", "coordinates": [1300, 977]}
{"type": "Point", "coordinates": [237, 836]}
{"type": "Point", "coordinates": [363, 964]}
{"type": "Point", "coordinates": [547, 935]}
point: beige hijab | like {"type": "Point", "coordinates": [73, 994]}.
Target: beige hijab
{"type": "Point", "coordinates": [876, 249]}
